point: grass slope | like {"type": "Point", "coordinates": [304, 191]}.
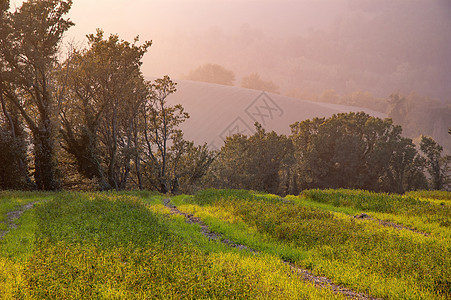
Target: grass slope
{"type": "Point", "coordinates": [316, 231]}
{"type": "Point", "coordinates": [126, 246]}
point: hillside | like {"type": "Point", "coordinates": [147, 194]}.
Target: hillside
{"type": "Point", "coordinates": [378, 46]}
{"type": "Point", "coordinates": [218, 111]}
{"type": "Point", "coordinates": [225, 244]}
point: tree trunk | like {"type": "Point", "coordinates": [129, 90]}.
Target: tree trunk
{"type": "Point", "coordinates": [45, 161]}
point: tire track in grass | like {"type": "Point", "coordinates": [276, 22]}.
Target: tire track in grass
{"type": "Point", "coordinates": [11, 216]}
{"type": "Point", "coordinates": [211, 235]}
{"type": "Point", "coordinates": [386, 223]}
{"type": "Point", "coordinates": [318, 281]}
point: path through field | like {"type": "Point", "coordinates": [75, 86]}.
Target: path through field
{"type": "Point", "coordinates": [318, 281]}
{"type": "Point", "coordinates": [388, 223]}
{"type": "Point", "coordinates": [12, 216]}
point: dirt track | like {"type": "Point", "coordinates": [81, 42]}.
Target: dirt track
{"type": "Point", "coordinates": [14, 215]}
{"type": "Point", "coordinates": [318, 281]}
{"type": "Point", "coordinates": [388, 223]}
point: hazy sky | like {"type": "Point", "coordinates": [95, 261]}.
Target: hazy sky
{"type": "Point", "coordinates": [155, 19]}
{"type": "Point", "coordinates": [180, 29]}
{"type": "Point", "coordinates": [129, 17]}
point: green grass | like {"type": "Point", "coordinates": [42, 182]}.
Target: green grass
{"type": "Point", "coordinates": [10, 201]}
{"type": "Point", "coordinates": [20, 243]}
{"type": "Point", "coordinates": [437, 195]}
{"type": "Point", "coordinates": [387, 262]}
{"type": "Point", "coordinates": [127, 246]}
{"type": "Point", "coordinates": [427, 215]}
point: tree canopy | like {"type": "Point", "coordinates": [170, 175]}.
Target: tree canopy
{"type": "Point", "coordinates": [30, 42]}
{"type": "Point", "coordinates": [212, 73]}
{"type": "Point", "coordinates": [93, 118]}
{"type": "Point", "coordinates": [347, 150]}
{"type": "Point", "coordinates": [253, 81]}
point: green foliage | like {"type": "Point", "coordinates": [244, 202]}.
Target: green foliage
{"type": "Point", "coordinates": [108, 220]}
{"type": "Point", "coordinates": [437, 165]}
{"type": "Point", "coordinates": [118, 129]}
{"type": "Point", "coordinates": [31, 38]}
{"type": "Point", "coordinates": [430, 216]}
{"type": "Point", "coordinates": [189, 165]}
{"type": "Point", "coordinates": [439, 195]}
{"type": "Point", "coordinates": [363, 200]}
{"type": "Point", "coordinates": [210, 196]}
{"type": "Point", "coordinates": [355, 150]}
{"type": "Point", "coordinates": [158, 272]}
{"type": "Point", "coordinates": [160, 129]}
{"type": "Point", "coordinates": [388, 262]}
{"type": "Point", "coordinates": [258, 162]}
{"type": "Point", "coordinates": [212, 73]}
{"type": "Point", "coordinates": [253, 81]}
{"type": "Point", "coordinates": [111, 245]}
{"type": "Point", "coordinates": [12, 158]}
{"type": "Point", "coordinates": [10, 200]}
{"type": "Point", "coordinates": [113, 126]}
{"type": "Point", "coordinates": [106, 88]}
{"type": "Point", "coordinates": [20, 245]}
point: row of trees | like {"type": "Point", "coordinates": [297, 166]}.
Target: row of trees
{"type": "Point", "coordinates": [88, 118]}
{"type": "Point", "coordinates": [92, 121]}
{"type": "Point", "coordinates": [351, 150]}
{"type": "Point", "coordinates": [416, 114]}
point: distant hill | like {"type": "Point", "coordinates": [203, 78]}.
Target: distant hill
{"type": "Point", "coordinates": [379, 46]}
{"type": "Point", "coordinates": [219, 111]}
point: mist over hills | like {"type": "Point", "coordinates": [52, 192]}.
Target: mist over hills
{"type": "Point", "coordinates": [312, 46]}
{"type": "Point", "coordinates": [304, 46]}
{"type": "Point", "coordinates": [217, 111]}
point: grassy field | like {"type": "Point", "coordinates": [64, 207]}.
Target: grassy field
{"type": "Point", "coordinates": [129, 246]}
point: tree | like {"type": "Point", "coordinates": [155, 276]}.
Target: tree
{"type": "Point", "coordinates": [29, 48]}
{"type": "Point", "coordinates": [415, 175]}
{"type": "Point", "coordinates": [354, 150]}
{"type": "Point", "coordinates": [212, 73]}
{"type": "Point", "coordinates": [419, 115]}
{"type": "Point", "coordinates": [93, 115]}
{"type": "Point", "coordinates": [229, 170]}
{"type": "Point", "coordinates": [365, 99]}
{"type": "Point", "coordinates": [160, 129]}
{"type": "Point", "coordinates": [253, 81]}
{"type": "Point", "coordinates": [187, 164]}
{"type": "Point", "coordinates": [13, 149]}
{"type": "Point", "coordinates": [436, 164]}
{"type": "Point", "coordinates": [194, 165]}
{"type": "Point", "coordinates": [256, 162]}
{"type": "Point", "coordinates": [120, 129]}
{"type": "Point", "coordinates": [398, 108]}
{"type": "Point", "coordinates": [105, 91]}
{"type": "Point", "coordinates": [13, 172]}
{"type": "Point", "coordinates": [269, 152]}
